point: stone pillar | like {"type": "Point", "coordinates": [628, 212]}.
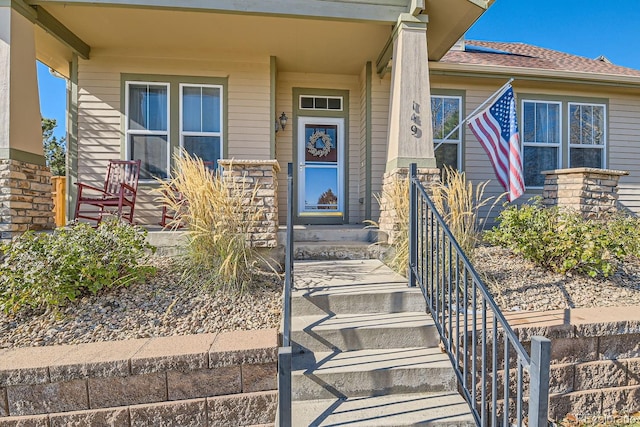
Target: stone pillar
{"type": "Point", "coordinates": [394, 207]}
{"type": "Point", "coordinates": [262, 174]}
{"type": "Point", "coordinates": [590, 191]}
{"type": "Point", "coordinates": [410, 137]}
{"type": "Point", "coordinates": [25, 182]}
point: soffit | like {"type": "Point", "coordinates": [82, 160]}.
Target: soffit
{"type": "Point", "coordinates": [300, 45]}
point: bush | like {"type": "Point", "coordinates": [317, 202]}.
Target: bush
{"type": "Point", "coordinates": [219, 216]}
{"type": "Point", "coordinates": [46, 270]}
{"type": "Point", "coordinates": [563, 242]}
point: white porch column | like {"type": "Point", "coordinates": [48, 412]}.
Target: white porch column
{"type": "Point", "coordinates": [410, 137]}
{"type": "Point", "coordinates": [25, 181]}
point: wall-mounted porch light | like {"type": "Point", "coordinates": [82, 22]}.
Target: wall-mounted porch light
{"type": "Point", "coordinates": [283, 120]}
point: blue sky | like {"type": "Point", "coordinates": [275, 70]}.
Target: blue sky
{"type": "Point", "coordinates": [581, 27]}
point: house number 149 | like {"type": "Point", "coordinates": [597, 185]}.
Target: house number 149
{"type": "Point", "coordinates": [416, 131]}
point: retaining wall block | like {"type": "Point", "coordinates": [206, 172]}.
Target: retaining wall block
{"type": "Point", "coordinates": [94, 417]}
{"type": "Point", "coordinates": [600, 374]}
{"type": "Point", "coordinates": [122, 391]}
{"type": "Point", "coordinates": [260, 377]}
{"type": "Point", "coordinates": [45, 398]}
{"type": "Point", "coordinates": [242, 410]}
{"type": "Point", "coordinates": [186, 413]}
{"type": "Point", "coordinates": [203, 383]}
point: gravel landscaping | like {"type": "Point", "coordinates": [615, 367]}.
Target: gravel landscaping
{"type": "Point", "coordinates": [160, 307]}
{"type": "Point", "coordinates": [518, 284]}
{"type": "Point", "coordinates": [163, 307]}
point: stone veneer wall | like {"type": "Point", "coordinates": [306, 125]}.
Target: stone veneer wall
{"type": "Point", "coordinates": [249, 174]}
{"type": "Point", "coordinates": [191, 380]}
{"type": "Point", "coordinates": [590, 191]}
{"type": "Point", "coordinates": [389, 223]}
{"type": "Point", "coordinates": [25, 198]}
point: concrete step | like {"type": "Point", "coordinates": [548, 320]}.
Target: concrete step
{"type": "Point", "coordinates": [320, 233]}
{"type": "Point", "coordinates": [326, 375]}
{"type": "Point", "coordinates": [357, 298]}
{"type": "Point", "coordinates": [346, 332]}
{"type": "Point", "coordinates": [416, 409]}
{"type": "Point", "coordinates": [334, 250]}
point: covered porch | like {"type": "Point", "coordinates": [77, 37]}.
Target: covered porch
{"type": "Point", "coordinates": [325, 65]}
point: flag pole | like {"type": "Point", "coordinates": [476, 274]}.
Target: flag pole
{"type": "Point", "coordinates": [462, 122]}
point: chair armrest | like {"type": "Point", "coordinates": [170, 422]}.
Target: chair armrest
{"type": "Point", "coordinates": [82, 186]}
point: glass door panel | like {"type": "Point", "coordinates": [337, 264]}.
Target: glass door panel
{"type": "Point", "coordinates": [320, 166]}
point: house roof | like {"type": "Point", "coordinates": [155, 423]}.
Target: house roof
{"type": "Point", "coordinates": [521, 55]}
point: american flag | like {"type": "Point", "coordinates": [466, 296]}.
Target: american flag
{"type": "Point", "coordinates": [496, 127]}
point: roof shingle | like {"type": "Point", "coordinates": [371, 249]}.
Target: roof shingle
{"type": "Point", "coordinates": [529, 56]}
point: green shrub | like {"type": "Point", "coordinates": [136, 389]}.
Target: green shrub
{"type": "Point", "coordinates": [563, 242]}
{"type": "Point", "coordinates": [219, 216]}
{"type": "Point", "coordinates": [46, 270]}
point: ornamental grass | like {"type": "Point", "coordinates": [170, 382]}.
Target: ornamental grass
{"type": "Point", "coordinates": [218, 215]}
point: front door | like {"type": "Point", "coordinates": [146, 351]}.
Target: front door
{"type": "Point", "coordinates": [320, 169]}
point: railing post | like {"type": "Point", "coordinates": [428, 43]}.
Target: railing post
{"type": "Point", "coordinates": [284, 387]}
{"type": "Point", "coordinates": [413, 224]}
{"type": "Point", "coordinates": [539, 388]}
{"type": "Point", "coordinates": [290, 209]}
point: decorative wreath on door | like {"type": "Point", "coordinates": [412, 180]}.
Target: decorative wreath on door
{"type": "Point", "coordinates": [325, 141]}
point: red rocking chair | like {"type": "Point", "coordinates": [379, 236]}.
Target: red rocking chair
{"type": "Point", "coordinates": [118, 196]}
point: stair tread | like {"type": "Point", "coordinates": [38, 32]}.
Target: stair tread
{"type": "Point", "coordinates": [362, 321]}
{"type": "Point", "coordinates": [370, 360]}
{"type": "Point", "coordinates": [310, 274]}
{"type": "Point", "coordinates": [399, 409]}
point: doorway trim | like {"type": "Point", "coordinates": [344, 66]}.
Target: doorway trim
{"type": "Point", "coordinates": [343, 114]}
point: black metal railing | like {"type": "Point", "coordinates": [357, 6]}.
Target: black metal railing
{"type": "Point", "coordinates": [497, 377]}
{"type": "Point", "coordinates": [284, 352]}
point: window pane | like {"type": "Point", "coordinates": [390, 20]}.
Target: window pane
{"type": "Point", "coordinates": [321, 188]}
{"type": "Point", "coordinates": [205, 147]}
{"type": "Point", "coordinates": [321, 103]}
{"type": "Point", "coordinates": [451, 117]}
{"type": "Point", "coordinates": [553, 123]}
{"type": "Point", "coordinates": [529, 125]}
{"type": "Point", "coordinates": [335, 103]}
{"type": "Point", "coordinates": [537, 159]}
{"type": "Point", "coordinates": [157, 115]}
{"type": "Point", "coordinates": [541, 123]}
{"type": "Point", "coordinates": [306, 102]}
{"type": "Point", "coordinates": [586, 124]}
{"type": "Point", "coordinates": [586, 157]}
{"type": "Point", "coordinates": [211, 109]}
{"type": "Point", "coordinates": [153, 151]}
{"type": "Point", "coordinates": [447, 155]}
{"type": "Point", "coordinates": [191, 109]}
{"type": "Point", "coordinates": [137, 107]}
{"type": "Point", "coordinates": [437, 114]}
{"type": "Point", "coordinates": [147, 107]}
{"type": "Point", "coordinates": [445, 115]}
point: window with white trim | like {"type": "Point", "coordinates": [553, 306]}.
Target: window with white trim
{"type": "Point", "coordinates": [541, 139]}
{"type": "Point", "coordinates": [587, 135]}
{"type": "Point", "coordinates": [147, 127]}
{"type": "Point", "coordinates": [446, 115]}
{"type": "Point", "coordinates": [201, 121]}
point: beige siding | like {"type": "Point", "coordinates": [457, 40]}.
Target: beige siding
{"type": "Point", "coordinates": [623, 143]}
{"type": "Point", "coordinates": [100, 123]}
{"type": "Point", "coordinates": [380, 90]}
{"type": "Point", "coordinates": [284, 149]}
{"type": "Point", "coordinates": [624, 148]}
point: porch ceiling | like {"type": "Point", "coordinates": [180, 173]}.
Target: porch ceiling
{"type": "Point", "coordinates": [300, 45]}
